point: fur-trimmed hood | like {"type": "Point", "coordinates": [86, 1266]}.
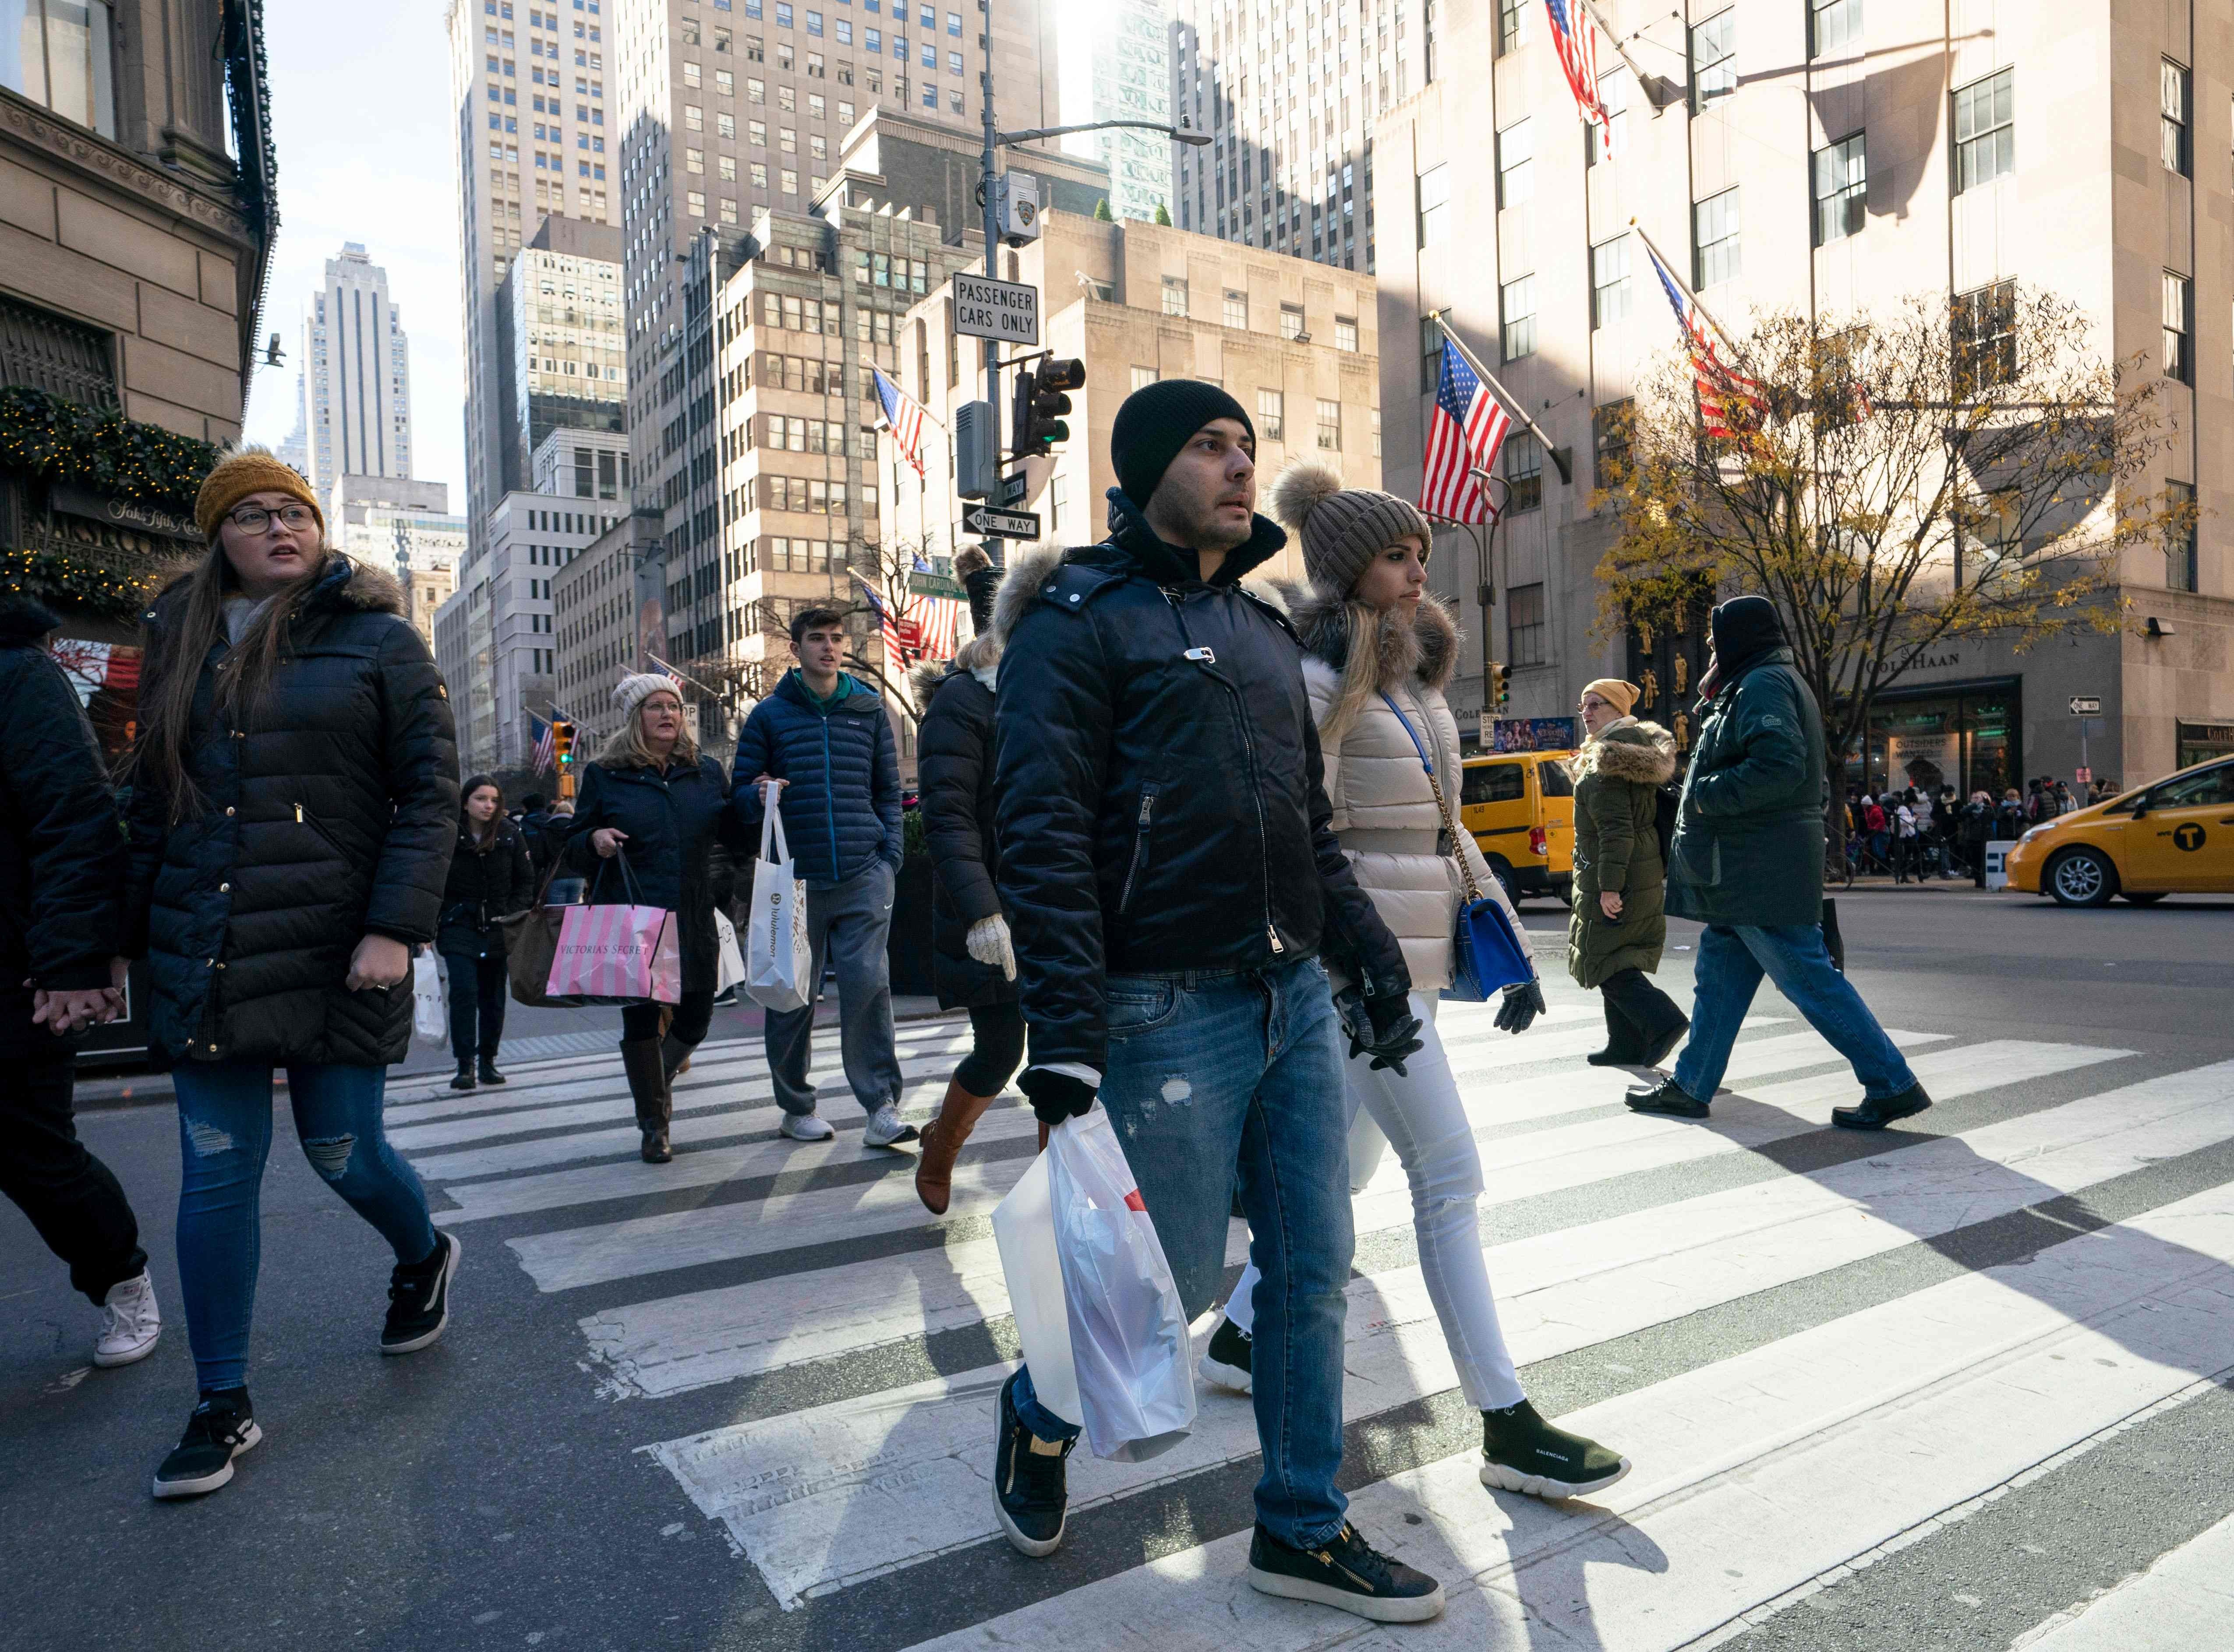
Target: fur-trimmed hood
{"type": "Point", "coordinates": [23, 619]}
{"type": "Point", "coordinates": [1427, 649]}
{"type": "Point", "coordinates": [1643, 754]}
{"type": "Point", "coordinates": [343, 583]}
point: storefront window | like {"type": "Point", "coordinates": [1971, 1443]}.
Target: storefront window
{"type": "Point", "coordinates": [2201, 742]}
{"type": "Point", "coordinates": [1968, 738]}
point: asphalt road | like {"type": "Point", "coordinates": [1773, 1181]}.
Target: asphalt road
{"type": "Point", "coordinates": [570, 1467]}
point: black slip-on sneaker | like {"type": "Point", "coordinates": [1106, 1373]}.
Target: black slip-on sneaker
{"type": "Point", "coordinates": [1346, 1572]}
{"type": "Point", "coordinates": [1224, 1363]}
{"type": "Point", "coordinates": [223, 1425]}
{"type": "Point", "coordinates": [1662, 1044]}
{"type": "Point", "coordinates": [1876, 1115]}
{"type": "Point", "coordinates": [419, 1298]}
{"type": "Point", "coordinates": [1666, 1097]}
{"type": "Point", "coordinates": [1522, 1453]}
{"type": "Point", "coordinates": [1030, 1485]}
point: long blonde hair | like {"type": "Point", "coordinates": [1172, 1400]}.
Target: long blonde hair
{"type": "Point", "coordinates": [172, 669]}
{"type": "Point", "coordinates": [628, 748]}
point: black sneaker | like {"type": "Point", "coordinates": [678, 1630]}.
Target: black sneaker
{"type": "Point", "coordinates": [222, 1427]}
{"type": "Point", "coordinates": [1522, 1453]}
{"type": "Point", "coordinates": [1225, 1362]}
{"type": "Point", "coordinates": [419, 1298]}
{"type": "Point", "coordinates": [1030, 1494]}
{"type": "Point", "coordinates": [1346, 1572]}
{"type": "Point", "coordinates": [489, 1074]}
{"type": "Point", "coordinates": [1876, 1115]}
{"type": "Point", "coordinates": [465, 1081]}
{"type": "Point", "coordinates": [1666, 1097]}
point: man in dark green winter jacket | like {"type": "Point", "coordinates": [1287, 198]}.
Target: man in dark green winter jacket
{"type": "Point", "coordinates": [1748, 862]}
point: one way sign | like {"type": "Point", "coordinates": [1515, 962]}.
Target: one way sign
{"type": "Point", "coordinates": [1002, 525]}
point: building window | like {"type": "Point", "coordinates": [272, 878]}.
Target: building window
{"type": "Point", "coordinates": [1610, 282]}
{"type": "Point", "coordinates": [1523, 472]}
{"type": "Point", "coordinates": [1842, 190]}
{"type": "Point", "coordinates": [1985, 130]}
{"type": "Point", "coordinates": [56, 355]}
{"type": "Point", "coordinates": [1984, 336]}
{"type": "Point", "coordinates": [1714, 58]}
{"type": "Point", "coordinates": [694, 118]}
{"type": "Point", "coordinates": [1237, 309]}
{"type": "Point", "coordinates": [2180, 570]}
{"type": "Point", "coordinates": [2171, 116]}
{"type": "Point", "coordinates": [1376, 432]}
{"type": "Point", "coordinates": [1613, 93]}
{"type": "Point", "coordinates": [1832, 25]}
{"type": "Point", "coordinates": [1715, 230]}
{"type": "Point", "coordinates": [1345, 334]}
{"type": "Point", "coordinates": [1271, 415]}
{"type": "Point", "coordinates": [1143, 376]}
{"type": "Point", "coordinates": [1431, 346]}
{"type": "Point", "coordinates": [1175, 295]}
{"type": "Point", "coordinates": [63, 62]}
{"type": "Point", "coordinates": [1516, 164]}
{"type": "Point", "coordinates": [1609, 441]}
{"type": "Point", "coordinates": [1434, 205]}
{"type": "Point", "coordinates": [696, 200]}
{"type": "Point", "coordinates": [694, 160]}
{"type": "Point", "coordinates": [1330, 425]}
{"type": "Point", "coordinates": [1511, 24]}
{"type": "Point", "coordinates": [1524, 623]}
{"type": "Point", "coordinates": [1291, 321]}
{"type": "Point", "coordinates": [1517, 305]}
{"type": "Point", "coordinates": [2179, 329]}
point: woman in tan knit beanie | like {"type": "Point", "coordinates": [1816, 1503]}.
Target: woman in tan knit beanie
{"type": "Point", "coordinates": [1379, 648]}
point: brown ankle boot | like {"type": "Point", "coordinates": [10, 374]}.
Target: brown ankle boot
{"type": "Point", "coordinates": [647, 1082]}
{"type": "Point", "coordinates": [943, 1138]}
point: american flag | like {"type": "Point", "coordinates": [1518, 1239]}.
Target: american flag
{"type": "Point", "coordinates": [1729, 402]}
{"type": "Point", "coordinates": [1468, 427]}
{"type": "Point", "coordinates": [1577, 42]}
{"type": "Point", "coordinates": [930, 630]}
{"type": "Point", "coordinates": [903, 417]}
{"type": "Point", "coordinates": [546, 743]}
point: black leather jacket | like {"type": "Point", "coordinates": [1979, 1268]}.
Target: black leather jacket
{"type": "Point", "coordinates": [1161, 798]}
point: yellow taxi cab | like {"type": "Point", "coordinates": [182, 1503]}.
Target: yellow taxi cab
{"type": "Point", "coordinates": [2173, 837]}
{"type": "Point", "coordinates": [1520, 807]}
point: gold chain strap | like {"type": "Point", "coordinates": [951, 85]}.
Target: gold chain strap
{"type": "Point", "coordinates": [1443, 808]}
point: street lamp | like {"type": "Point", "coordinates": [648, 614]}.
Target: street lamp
{"type": "Point", "coordinates": [1485, 544]}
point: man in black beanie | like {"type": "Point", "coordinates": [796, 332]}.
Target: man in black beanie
{"type": "Point", "coordinates": [1746, 861]}
{"type": "Point", "coordinates": [1172, 879]}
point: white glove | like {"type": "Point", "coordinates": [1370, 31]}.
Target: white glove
{"type": "Point", "coordinates": [988, 944]}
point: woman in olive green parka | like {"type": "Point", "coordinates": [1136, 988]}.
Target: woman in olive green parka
{"type": "Point", "coordinates": [1615, 936]}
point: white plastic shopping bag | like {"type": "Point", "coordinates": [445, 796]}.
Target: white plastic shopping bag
{"type": "Point", "coordinates": [732, 956]}
{"type": "Point", "coordinates": [1023, 1226]}
{"type": "Point", "coordinates": [779, 960]}
{"type": "Point", "coordinates": [430, 1014]}
{"type": "Point", "coordinates": [1128, 1335]}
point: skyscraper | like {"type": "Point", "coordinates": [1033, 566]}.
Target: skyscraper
{"type": "Point", "coordinates": [1119, 54]}
{"type": "Point", "coordinates": [357, 375]}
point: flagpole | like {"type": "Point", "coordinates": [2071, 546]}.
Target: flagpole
{"type": "Point", "coordinates": [1644, 81]}
{"type": "Point", "coordinates": [1720, 331]}
{"type": "Point", "coordinates": [1512, 403]}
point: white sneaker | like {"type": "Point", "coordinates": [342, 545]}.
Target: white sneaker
{"type": "Point", "coordinates": [129, 1323]}
{"type": "Point", "coordinates": [806, 1127]}
{"type": "Point", "coordinates": [885, 1130]}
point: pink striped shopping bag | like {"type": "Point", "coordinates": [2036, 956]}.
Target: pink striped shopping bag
{"type": "Point", "coordinates": [611, 953]}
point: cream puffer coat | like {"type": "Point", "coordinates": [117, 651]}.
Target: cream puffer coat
{"type": "Point", "coordinates": [1384, 811]}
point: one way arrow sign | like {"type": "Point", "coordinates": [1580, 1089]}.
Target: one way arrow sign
{"type": "Point", "coordinates": [1002, 525]}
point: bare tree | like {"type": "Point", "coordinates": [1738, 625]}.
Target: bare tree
{"type": "Point", "coordinates": [1893, 482]}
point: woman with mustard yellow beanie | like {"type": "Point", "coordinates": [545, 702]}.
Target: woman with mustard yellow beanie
{"type": "Point", "coordinates": [294, 800]}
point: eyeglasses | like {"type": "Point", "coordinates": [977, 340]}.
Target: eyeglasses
{"type": "Point", "coordinates": [254, 518]}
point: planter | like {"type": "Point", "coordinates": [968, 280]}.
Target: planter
{"type": "Point", "coordinates": [908, 947]}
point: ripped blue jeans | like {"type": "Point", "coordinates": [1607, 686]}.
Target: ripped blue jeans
{"type": "Point", "coordinates": [224, 1136]}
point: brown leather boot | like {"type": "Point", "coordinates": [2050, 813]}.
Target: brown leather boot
{"type": "Point", "coordinates": [943, 1138]}
{"type": "Point", "coordinates": [647, 1082]}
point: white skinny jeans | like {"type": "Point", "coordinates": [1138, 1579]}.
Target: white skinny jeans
{"type": "Point", "coordinates": [1421, 1116]}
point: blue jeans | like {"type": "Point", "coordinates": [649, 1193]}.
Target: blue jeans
{"type": "Point", "coordinates": [1732, 959]}
{"type": "Point", "coordinates": [225, 1133]}
{"type": "Point", "coordinates": [1206, 1072]}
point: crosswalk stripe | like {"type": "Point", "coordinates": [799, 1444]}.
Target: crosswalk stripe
{"type": "Point", "coordinates": [927, 1446]}
{"type": "Point", "coordinates": [2186, 1599]}
{"type": "Point", "coordinates": [1796, 1456]}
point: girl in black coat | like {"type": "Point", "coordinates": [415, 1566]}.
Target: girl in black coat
{"type": "Point", "coordinates": [973, 964]}
{"type": "Point", "coordinates": [652, 796]}
{"type": "Point", "coordinates": [492, 876]}
{"type": "Point", "coordinates": [294, 803]}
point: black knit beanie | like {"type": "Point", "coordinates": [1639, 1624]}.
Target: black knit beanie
{"type": "Point", "coordinates": [1158, 420]}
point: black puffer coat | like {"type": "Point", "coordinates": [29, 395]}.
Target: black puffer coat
{"type": "Point", "coordinates": [1161, 796]}
{"type": "Point", "coordinates": [486, 882]}
{"type": "Point", "coordinates": [61, 847]}
{"type": "Point", "coordinates": [330, 816]}
{"type": "Point", "coordinates": [954, 750]}
{"type": "Point", "coordinates": [678, 824]}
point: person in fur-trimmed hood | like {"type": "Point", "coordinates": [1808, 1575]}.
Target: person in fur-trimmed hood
{"type": "Point", "coordinates": [1380, 648]}
{"type": "Point", "coordinates": [1616, 931]}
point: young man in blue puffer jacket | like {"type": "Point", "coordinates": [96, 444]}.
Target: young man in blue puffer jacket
{"type": "Point", "coordinates": [823, 741]}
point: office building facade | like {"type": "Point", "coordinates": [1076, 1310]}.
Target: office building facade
{"type": "Point", "coordinates": [562, 366]}
{"type": "Point", "coordinates": [357, 375]}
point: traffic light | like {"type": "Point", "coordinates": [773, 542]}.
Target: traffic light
{"type": "Point", "coordinates": [562, 743]}
{"type": "Point", "coordinates": [1041, 403]}
{"type": "Point", "coordinates": [1500, 682]}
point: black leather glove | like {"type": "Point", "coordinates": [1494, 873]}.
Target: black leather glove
{"type": "Point", "coordinates": [1055, 1096]}
{"type": "Point", "coordinates": [1383, 1028]}
{"type": "Point", "coordinates": [1522, 1005]}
